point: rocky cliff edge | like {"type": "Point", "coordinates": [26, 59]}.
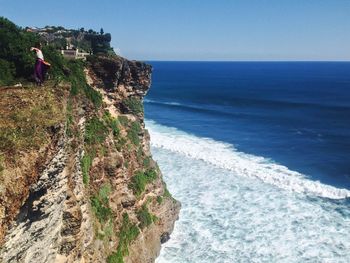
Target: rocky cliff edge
{"type": "Point", "coordinates": [77, 179]}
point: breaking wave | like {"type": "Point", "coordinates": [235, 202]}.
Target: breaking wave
{"type": "Point", "coordinates": [224, 155]}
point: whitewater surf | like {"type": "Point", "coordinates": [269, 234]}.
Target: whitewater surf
{"type": "Point", "coordinates": [238, 207]}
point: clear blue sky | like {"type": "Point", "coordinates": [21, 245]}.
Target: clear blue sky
{"type": "Point", "coordinates": [202, 29]}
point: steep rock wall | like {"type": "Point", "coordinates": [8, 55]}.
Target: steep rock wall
{"type": "Point", "coordinates": [31, 124]}
{"type": "Point", "coordinates": [101, 196]}
{"type": "Point", "coordinates": [123, 98]}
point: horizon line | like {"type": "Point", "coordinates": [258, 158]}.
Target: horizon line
{"type": "Point", "coordinates": [274, 61]}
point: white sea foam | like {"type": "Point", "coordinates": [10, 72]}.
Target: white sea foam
{"type": "Point", "coordinates": [228, 215]}
{"type": "Point", "coordinates": [228, 218]}
{"type": "Point", "coordinates": [164, 102]}
{"type": "Point", "coordinates": [148, 100]}
{"type": "Point", "coordinates": [225, 156]}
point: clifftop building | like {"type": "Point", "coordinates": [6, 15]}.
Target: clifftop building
{"type": "Point", "coordinates": [71, 53]}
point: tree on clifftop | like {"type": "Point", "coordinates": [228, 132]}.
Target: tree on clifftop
{"type": "Point", "coordinates": [100, 43]}
{"type": "Point", "coordinates": [16, 61]}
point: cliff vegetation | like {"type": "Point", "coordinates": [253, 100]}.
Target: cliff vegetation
{"type": "Point", "coordinates": [77, 178]}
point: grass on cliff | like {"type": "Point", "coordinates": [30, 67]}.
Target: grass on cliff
{"type": "Point", "coordinates": [1, 164]}
{"type": "Point", "coordinates": [94, 96]}
{"type": "Point", "coordinates": [133, 130]}
{"type": "Point", "coordinates": [76, 76]}
{"type": "Point", "coordinates": [86, 163]}
{"type": "Point", "coordinates": [69, 117]}
{"type": "Point", "coordinates": [127, 233]}
{"type": "Point", "coordinates": [95, 131]}
{"type": "Point", "coordinates": [134, 105]}
{"type": "Point", "coordinates": [71, 71]}
{"type": "Point", "coordinates": [133, 133]}
{"type": "Point", "coordinates": [112, 123]}
{"type": "Point", "coordinates": [100, 204]}
{"type": "Point", "coordinates": [28, 117]}
{"type": "Point", "coordinates": [145, 217]}
{"type": "Point", "coordinates": [160, 200]}
{"type": "Point", "coordinates": [123, 120]}
{"type": "Point", "coordinates": [141, 179]}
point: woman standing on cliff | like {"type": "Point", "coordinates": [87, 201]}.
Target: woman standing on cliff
{"type": "Point", "coordinates": [40, 65]}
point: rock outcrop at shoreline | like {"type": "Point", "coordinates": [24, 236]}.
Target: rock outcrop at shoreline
{"type": "Point", "coordinates": [88, 190]}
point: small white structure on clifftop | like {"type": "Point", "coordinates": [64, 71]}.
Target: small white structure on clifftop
{"type": "Point", "coordinates": [74, 54]}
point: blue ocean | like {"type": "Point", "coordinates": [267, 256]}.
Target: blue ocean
{"type": "Point", "coordinates": [258, 153]}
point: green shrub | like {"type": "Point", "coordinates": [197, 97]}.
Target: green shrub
{"type": "Point", "coordinates": [136, 126]}
{"type": "Point", "coordinates": [115, 257]}
{"type": "Point", "coordinates": [133, 133]}
{"type": "Point", "coordinates": [134, 105]}
{"type": "Point", "coordinates": [59, 68]}
{"type": "Point", "coordinates": [145, 217]}
{"type": "Point", "coordinates": [139, 154]}
{"type": "Point", "coordinates": [69, 118]}
{"type": "Point", "coordinates": [108, 229]}
{"type": "Point", "coordinates": [74, 90]}
{"type": "Point", "coordinates": [101, 211]}
{"type": "Point", "coordinates": [95, 131]}
{"type": "Point", "coordinates": [76, 71]}
{"type": "Point", "coordinates": [128, 232]}
{"type": "Point", "coordinates": [100, 43]}
{"type": "Point", "coordinates": [147, 162]}
{"type": "Point", "coordinates": [59, 43]}
{"type": "Point", "coordinates": [104, 193]}
{"type": "Point", "coordinates": [120, 143]}
{"type": "Point", "coordinates": [94, 96]}
{"type": "Point", "coordinates": [123, 120]}
{"type": "Point", "coordinates": [100, 204]}
{"type": "Point", "coordinates": [76, 76]}
{"type": "Point", "coordinates": [115, 127]}
{"type": "Point", "coordinates": [112, 123]}
{"type": "Point", "coordinates": [151, 175]}
{"type": "Point", "coordinates": [86, 163]}
{"type": "Point", "coordinates": [7, 72]}
{"type": "Point", "coordinates": [138, 183]}
{"type": "Point", "coordinates": [2, 168]}
{"type": "Point", "coordinates": [141, 179]}
{"type": "Point", "coordinates": [159, 200]}
{"type": "Point", "coordinates": [15, 44]}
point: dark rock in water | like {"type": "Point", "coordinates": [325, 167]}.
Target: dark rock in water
{"type": "Point", "coordinates": [164, 237]}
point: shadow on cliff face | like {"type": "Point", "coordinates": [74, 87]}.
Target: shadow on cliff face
{"type": "Point", "coordinates": [29, 212]}
{"type": "Point", "coordinates": [34, 208]}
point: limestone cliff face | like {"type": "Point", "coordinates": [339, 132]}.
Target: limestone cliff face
{"type": "Point", "coordinates": [98, 195]}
